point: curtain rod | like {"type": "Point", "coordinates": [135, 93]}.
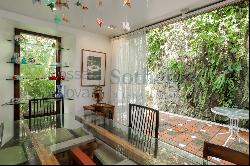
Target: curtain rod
{"type": "Point", "coordinates": [190, 13]}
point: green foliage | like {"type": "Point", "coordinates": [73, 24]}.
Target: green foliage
{"type": "Point", "coordinates": [207, 57]}
{"type": "Point", "coordinates": [41, 50]}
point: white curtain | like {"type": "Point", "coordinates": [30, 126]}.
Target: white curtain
{"type": "Point", "coordinates": [128, 74]}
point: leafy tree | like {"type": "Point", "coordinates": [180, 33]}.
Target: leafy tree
{"type": "Point", "coordinates": [43, 51]}
{"type": "Point", "coordinates": [207, 58]}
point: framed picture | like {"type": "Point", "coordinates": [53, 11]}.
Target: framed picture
{"type": "Point", "coordinates": [93, 68]}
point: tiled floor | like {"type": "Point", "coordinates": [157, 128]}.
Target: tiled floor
{"type": "Point", "coordinates": [189, 134]}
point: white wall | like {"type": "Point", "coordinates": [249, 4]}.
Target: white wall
{"type": "Point", "coordinates": [73, 39]}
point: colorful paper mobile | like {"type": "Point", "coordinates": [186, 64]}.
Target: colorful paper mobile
{"type": "Point", "coordinates": [100, 3]}
{"type": "Point", "coordinates": [65, 18]}
{"type": "Point", "coordinates": [99, 21]}
{"type": "Point", "coordinates": [51, 1]}
{"type": "Point", "coordinates": [126, 26]}
{"type": "Point", "coordinates": [85, 7]}
{"type": "Point", "coordinates": [51, 6]}
{"type": "Point", "coordinates": [78, 3]}
{"type": "Point", "coordinates": [36, 2]}
{"type": "Point", "coordinates": [65, 4]}
{"type": "Point", "coordinates": [59, 4]}
{"type": "Point", "coordinates": [127, 3]}
{"type": "Point", "coordinates": [57, 19]}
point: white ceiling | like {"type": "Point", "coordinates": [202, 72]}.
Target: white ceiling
{"type": "Point", "coordinates": [142, 12]}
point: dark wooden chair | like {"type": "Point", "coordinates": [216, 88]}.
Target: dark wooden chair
{"type": "Point", "coordinates": [78, 157]}
{"type": "Point", "coordinates": [43, 111]}
{"type": "Point", "coordinates": [143, 128]}
{"type": "Point", "coordinates": [225, 153]}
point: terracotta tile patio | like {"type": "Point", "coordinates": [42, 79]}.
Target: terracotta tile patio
{"type": "Point", "coordinates": [189, 134]}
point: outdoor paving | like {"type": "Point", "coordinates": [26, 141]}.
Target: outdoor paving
{"type": "Point", "coordinates": [189, 134]}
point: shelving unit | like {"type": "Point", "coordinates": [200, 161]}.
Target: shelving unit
{"type": "Point", "coordinates": [12, 103]}
{"type": "Point", "coordinates": [60, 48]}
{"type": "Point", "coordinates": [38, 64]}
{"type": "Point", "coordinates": [38, 79]}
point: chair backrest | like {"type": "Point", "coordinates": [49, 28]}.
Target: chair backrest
{"type": "Point", "coordinates": [45, 107]}
{"type": "Point", "coordinates": [1, 133]}
{"type": "Point", "coordinates": [39, 108]}
{"type": "Point", "coordinates": [225, 153]}
{"type": "Point", "coordinates": [145, 121]}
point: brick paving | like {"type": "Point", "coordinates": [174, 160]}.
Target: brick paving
{"type": "Point", "coordinates": [189, 134]}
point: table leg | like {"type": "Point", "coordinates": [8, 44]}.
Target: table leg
{"type": "Point", "coordinates": [234, 128]}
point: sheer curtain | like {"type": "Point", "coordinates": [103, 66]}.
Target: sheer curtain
{"type": "Point", "coordinates": [128, 74]}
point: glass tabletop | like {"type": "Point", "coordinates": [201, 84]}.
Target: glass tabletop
{"type": "Point", "coordinates": [33, 139]}
{"type": "Point", "coordinates": [59, 133]}
{"type": "Point", "coordinates": [16, 145]}
{"type": "Point", "coordinates": [231, 112]}
{"type": "Point", "coordinates": [136, 146]}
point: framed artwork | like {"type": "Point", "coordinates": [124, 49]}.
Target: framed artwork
{"type": "Point", "coordinates": [93, 68]}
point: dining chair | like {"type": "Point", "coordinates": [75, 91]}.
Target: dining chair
{"type": "Point", "coordinates": [41, 109]}
{"type": "Point", "coordinates": [225, 153]}
{"type": "Point", "coordinates": [143, 127]}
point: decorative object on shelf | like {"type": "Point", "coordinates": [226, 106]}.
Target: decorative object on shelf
{"type": "Point", "coordinates": [24, 60]}
{"type": "Point", "coordinates": [16, 77]}
{"type": "Point", "coordinates": [57, 19]}
{"type": "Point", "coordinates": [93, 68]}
{"type": "Point", "coordinates": [61, 78]}
{"type": "Point", "coordinates": [53, 76]}
{"type": "Point", "coordinates": [32, 60]}
{"type": "Point", "coordinates": [59, 90]}
{"type": "Point", "coordinates": [13, 58]}
{"type": "Point", "coordinates": [99, 21]}
{"type": "Point", "coordinates": [17, 39]}
{"type": "Point", "coordinates": [127, 3]}
{"type": "Point", "coordinates": [98, 94]}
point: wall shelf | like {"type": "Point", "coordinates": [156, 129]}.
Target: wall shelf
{"type": "Point", "coordinates": [22, 103]}
{"type": "Point", "coordinates": [38, 79]}
{"type": "Point", "coordinates": [38, 64]}
{"type": "Point", "coordinates": [12, 103]}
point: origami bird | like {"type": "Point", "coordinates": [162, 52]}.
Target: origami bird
{"type": "Point", "coordinates": [65, 4]}
{"type": "Point", "coordinates": [85, 7]}
{"type": "Point", "coordinates": [127, 3]}
{"type": "Point", "coordinates": [57, 19]}
{"type": "Point", "coordinates": [99, 21]}
{"type": "Point", "coordinates": [36, 1]}
{"type": "Point", "coordinates": [78, 3]}
{"type": "Point", "coordinates": [51, 5]}
{"type": "Point", "coordinates": [126, 26]}
{"type": "Point", "coordinates": [65, 18]}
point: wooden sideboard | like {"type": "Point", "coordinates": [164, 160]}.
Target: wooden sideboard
{"type": "Point", "coordinates": [103, 109]}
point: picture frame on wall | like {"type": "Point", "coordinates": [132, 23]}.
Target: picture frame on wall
{"type": "Point", "coordinates": [93, 68]}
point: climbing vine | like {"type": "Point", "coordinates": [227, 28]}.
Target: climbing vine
{"type": "Point", "coordinates": [207, 58]}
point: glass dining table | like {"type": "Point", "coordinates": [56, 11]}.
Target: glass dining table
{"type": "Point", "coordinates": [39, 140]}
